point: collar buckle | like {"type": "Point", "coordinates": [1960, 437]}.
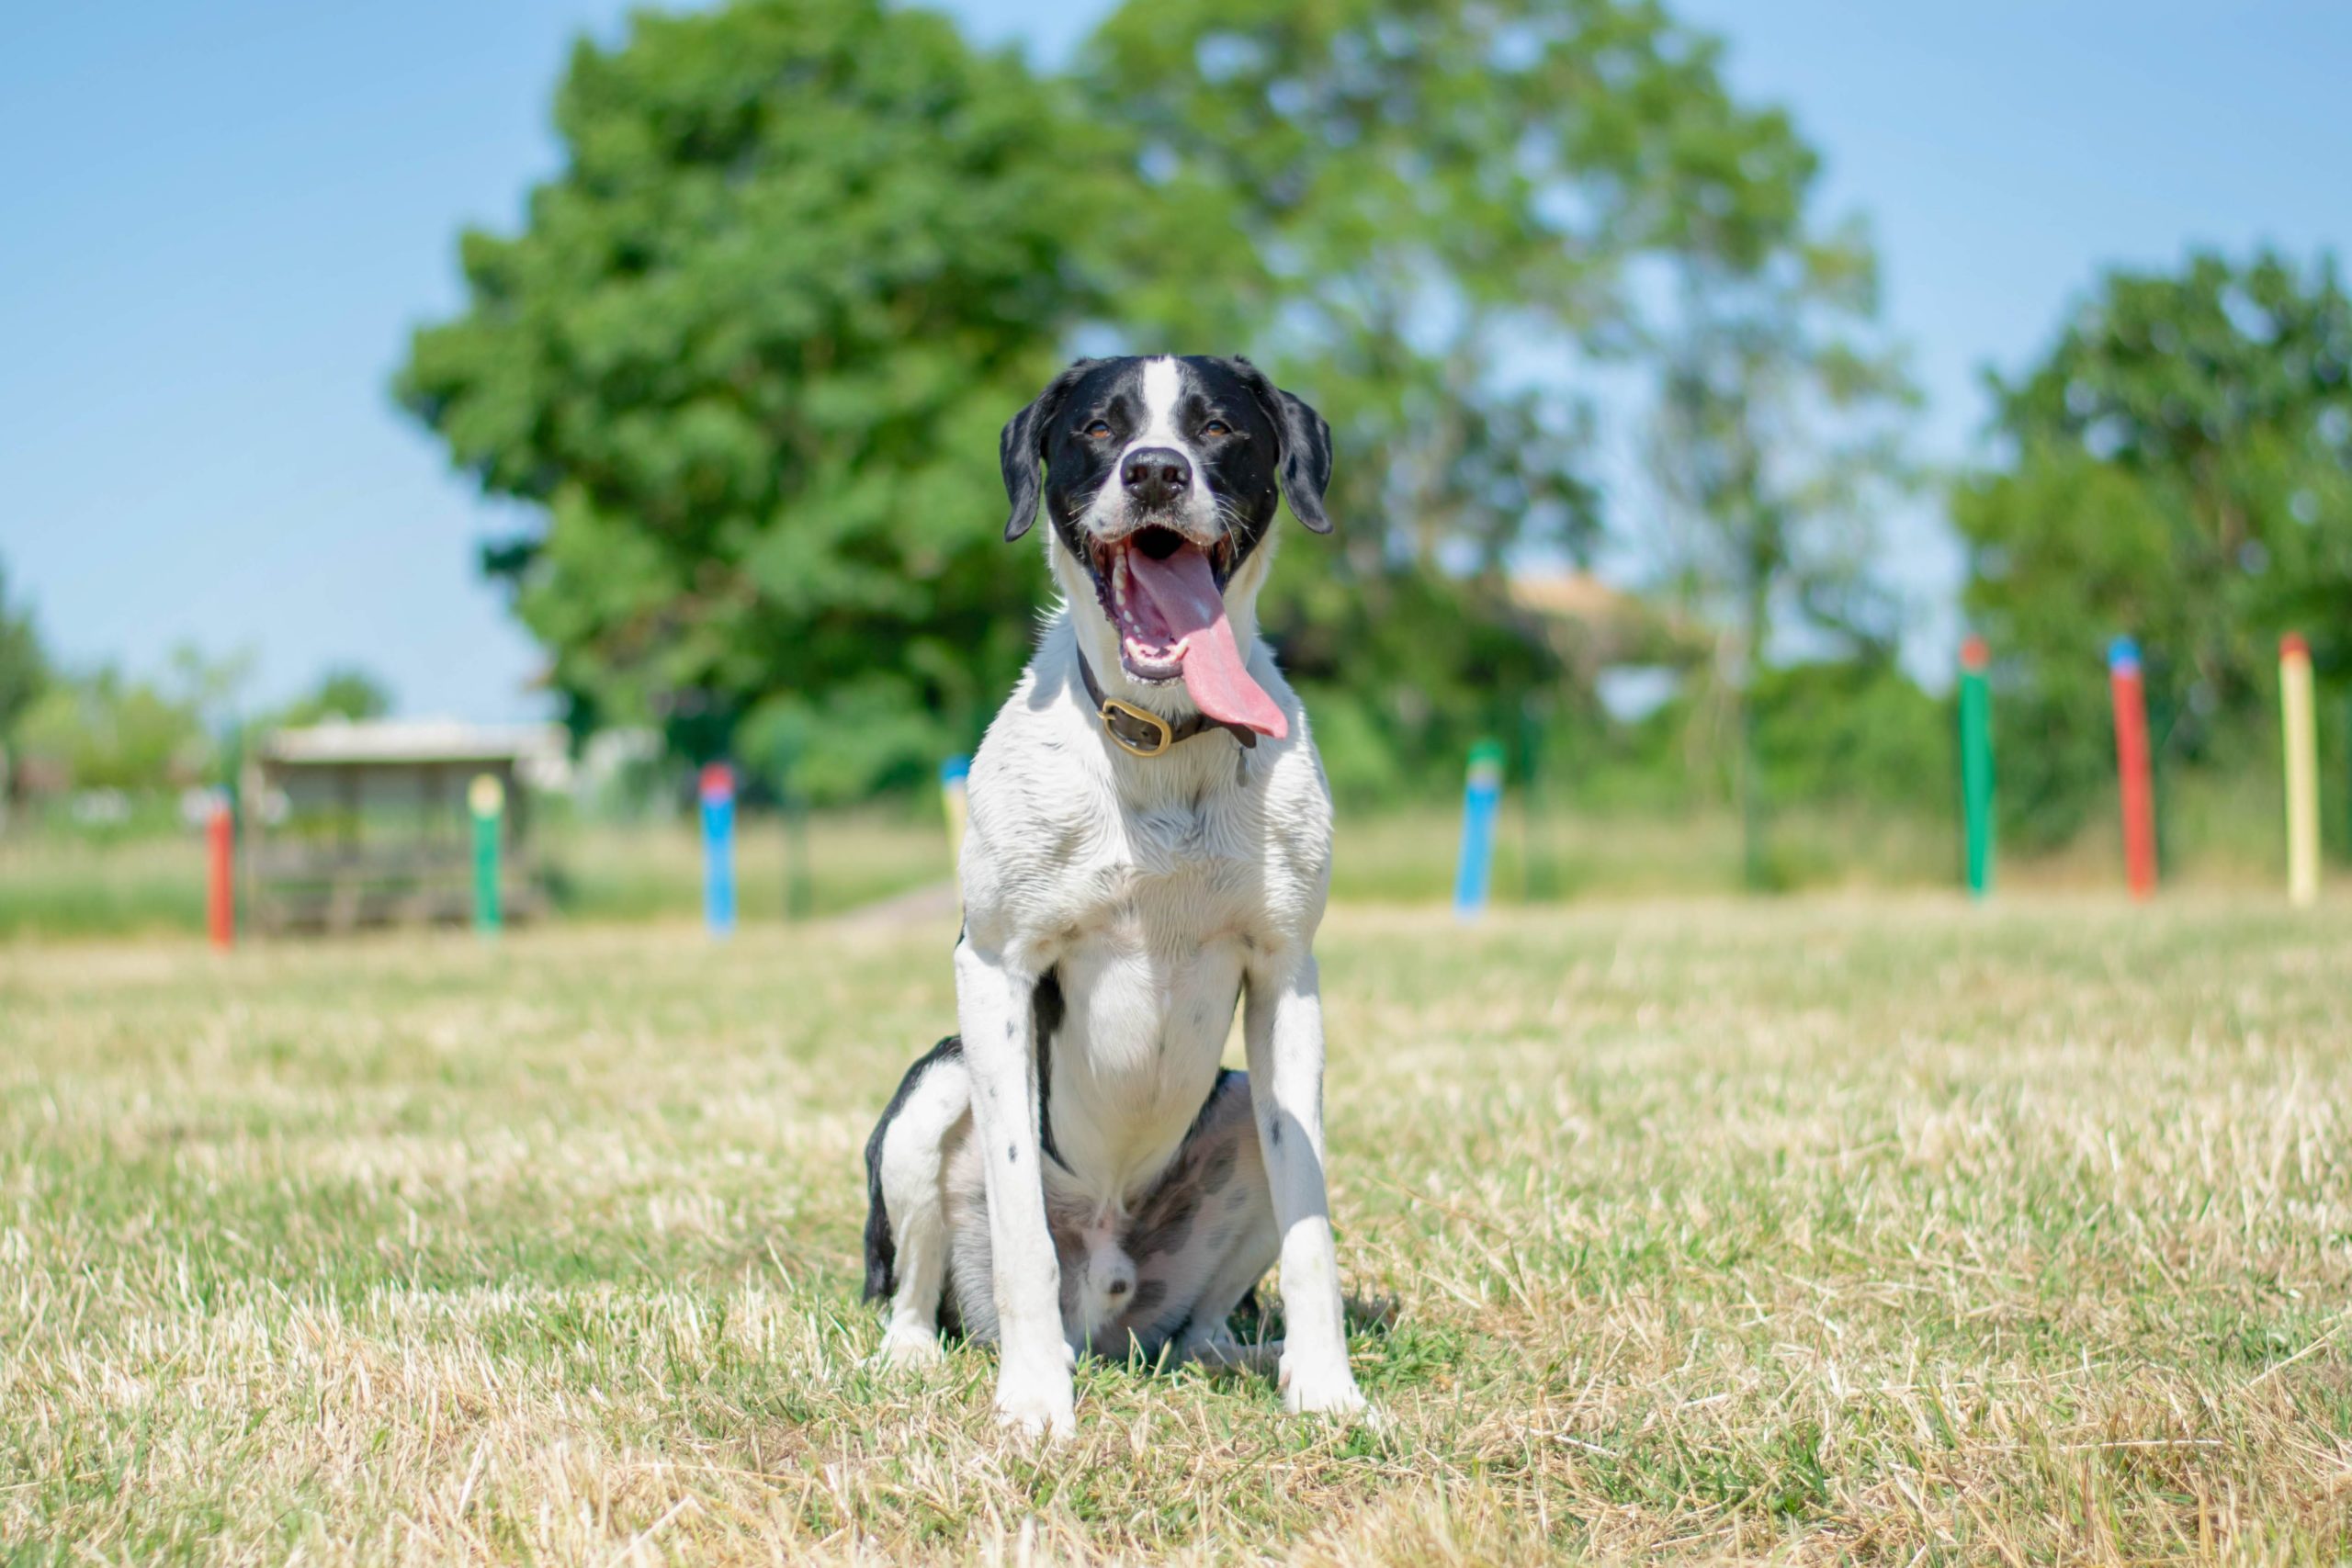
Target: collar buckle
{"type": "Point", "coordinates": [1163, 733]}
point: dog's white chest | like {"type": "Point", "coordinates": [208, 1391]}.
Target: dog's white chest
{"type": "Point", "coordinates": [1149, 979]}
{"type": "Point", "coordinates": [1145, 890]}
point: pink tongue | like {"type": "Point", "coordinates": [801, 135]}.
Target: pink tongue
{"type": "Point", "coordinates": [1182, 590]}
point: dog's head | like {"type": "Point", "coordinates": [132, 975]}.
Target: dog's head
{"type": "Point", "coordinates": [1162, 477]}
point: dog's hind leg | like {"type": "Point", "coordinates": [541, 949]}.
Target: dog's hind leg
{"type": "Point", "coordinates": [1203, 1237]}
{"type": "Point", "coordinates": [906, 1226]}
{"type": "Point", "coordinates": [1251, 1249]}
{"type": "Point", "coordinates": [1237, 1226]}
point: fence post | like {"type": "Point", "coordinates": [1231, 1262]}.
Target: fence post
{"type": "Point", "coordinates": [1977, 762]}
{"type": "Point", "coordinates": [719, 848]}
{"type": "Point", "coordinates": [1543, 867]}
{"type": "Point", "coordinates": [1481, 802]}
{"type": "Point", "coordinates": [486, 803]}
{"type": "Point", "coordinates": [220, 879]}
{"type": "Point", "coordinates": [2131, 700]}
{"type": "Point", "coordinates": [2301, 723]}
{"type": "Point", "coordinates": [798, 894]}
{"type": "Point", "coordinates": [952, 774]}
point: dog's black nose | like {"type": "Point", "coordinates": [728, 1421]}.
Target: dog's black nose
{"type": "Point", "coordinates": [1156, 476]}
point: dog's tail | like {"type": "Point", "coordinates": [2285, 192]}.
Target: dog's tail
{"type": "Point", "coordinates": [881, 1255]}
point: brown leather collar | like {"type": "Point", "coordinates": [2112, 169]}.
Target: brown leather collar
{"type": "Point", "coordinates": [1142, 733]}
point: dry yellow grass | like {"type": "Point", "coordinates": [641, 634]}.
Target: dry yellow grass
{"type": "Point", "coordinates": [1888, 1231]}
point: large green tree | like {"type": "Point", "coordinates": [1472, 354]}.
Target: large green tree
{"type": "Point", "coordinates": [749, 353]}
{"type": "Point", "coordinates": [748, 357]}
{"type": "Point", "coordinates": [1438, 211]}
{"type": "Point", "coordinates": [2179, 469]}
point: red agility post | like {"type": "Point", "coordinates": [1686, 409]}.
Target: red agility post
{"type": "Point", "coordinates": [220, 891]}
{"type": "Point", "coordinates": [2132, 766]}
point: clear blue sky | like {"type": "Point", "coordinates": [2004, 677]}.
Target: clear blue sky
{"type": "Point", "coordinates": [217, 223]}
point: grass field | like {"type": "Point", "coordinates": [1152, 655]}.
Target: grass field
{"type": "Point", "coordinates": [1881, 1230]}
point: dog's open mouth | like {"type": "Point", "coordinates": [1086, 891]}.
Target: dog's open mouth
{"type": "Point", "coordinates": [1152, 640]}
{"type": "Point", "coordinates": [1164, 596]}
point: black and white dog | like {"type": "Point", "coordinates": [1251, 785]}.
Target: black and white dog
{"type": "Point", "coordinates": [1149, 845]}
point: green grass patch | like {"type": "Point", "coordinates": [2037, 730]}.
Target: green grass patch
{"type": "Point", "coordinates": [1872, 1229]}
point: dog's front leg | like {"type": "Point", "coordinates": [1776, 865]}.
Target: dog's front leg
{"type": "Point", "coordinates": [993, 1006]}
{"type": "Point", "coordinates": [1284, 1028]}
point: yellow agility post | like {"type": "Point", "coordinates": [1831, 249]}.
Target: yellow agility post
{"type": "Point", "coordinates": [952, 774]}
{"type": "Point", "coordinates": [2302, 770]}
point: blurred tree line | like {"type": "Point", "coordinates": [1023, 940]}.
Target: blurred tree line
{"type": "Point", "coordinates": [750, 350]}
{"type": "Point", "coordinates": [747, 355]}
{"type": "Point", "coordinates": [70, 732]}
{"type": "Point", "coordinates": [24, 666]}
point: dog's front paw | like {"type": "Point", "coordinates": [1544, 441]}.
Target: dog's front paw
{"type": "Point", "coordinates": [907, 1348]}
{"type": "Point", "coordinates": [1310, 1390]}
{"type": "Point", "coordinates": [1036, 1400]}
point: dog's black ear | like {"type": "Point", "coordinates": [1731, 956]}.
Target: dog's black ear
{"type": "Point", "coordinates": [1304, 464]}
{"type": "Point", "coordinates": [1023, 446]}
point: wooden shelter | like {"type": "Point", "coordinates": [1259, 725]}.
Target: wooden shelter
{"type": "Point", "coordinates": [364, 824]}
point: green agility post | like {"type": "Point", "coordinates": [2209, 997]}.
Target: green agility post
{"type": "Point", "coordinates": [1542, 875]}
{"type": "Point", "coordinates": [486, 798]}
{"type": "Point", "coordinates": [1977, 762]}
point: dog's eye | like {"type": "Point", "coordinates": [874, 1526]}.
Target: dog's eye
{"type": "Point", "coordinates": [1216, 427]}
{"type": "Point", "coordinates": [1098, 431]}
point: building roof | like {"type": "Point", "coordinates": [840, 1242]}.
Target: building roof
{"type": "Point", "coordinates": [424, 740]}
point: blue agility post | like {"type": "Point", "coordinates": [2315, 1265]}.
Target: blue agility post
{"type": "Point", "coordinates": [719, 848]}
{"type": "Point", "coordinates": [1481, 802]}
